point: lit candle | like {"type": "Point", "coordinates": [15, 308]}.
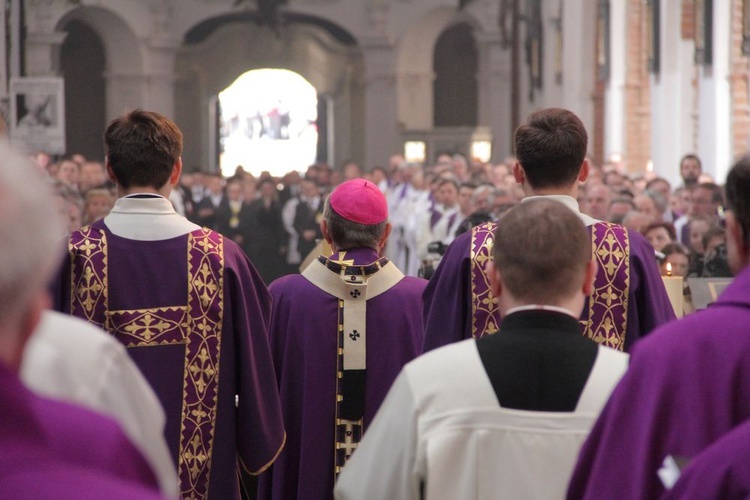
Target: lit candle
{"type": "Point", "coordinates": [673, 284]}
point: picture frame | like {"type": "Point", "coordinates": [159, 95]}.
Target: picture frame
{"type": "Point", "coordinates": [37, 114]}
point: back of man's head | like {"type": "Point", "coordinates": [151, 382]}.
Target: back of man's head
{"type": "Point", "coordinates": [551, 147]}
{"type": "Point", "coordinates": [31, 235]}
{"type": "Point", "coordinates": [738, 195]}
{"type": "Point", "coordinates": [542, 250]}
{"type": "Point", "coordinates": [356, 215]}
{"type": "Point", "coordinates": [142, 148]}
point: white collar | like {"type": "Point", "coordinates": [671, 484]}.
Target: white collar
{"type": "Point", "coordinates": [569, 202]}
{"type": "Point", "coordinates": [153, 205]}
{"type": "Point", "coordinates": [540, 307]}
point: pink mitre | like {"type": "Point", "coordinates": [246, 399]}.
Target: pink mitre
{"type": "Point", "coordinates": [360, 201]}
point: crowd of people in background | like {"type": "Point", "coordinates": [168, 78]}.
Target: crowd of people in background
{"type": "Point", "coordinates": [276, 220]}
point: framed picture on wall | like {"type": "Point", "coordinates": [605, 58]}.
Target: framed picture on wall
{"type": "Point", "coordinates": [37, 114]}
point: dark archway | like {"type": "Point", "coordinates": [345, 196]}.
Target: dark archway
{"type": "Point", "coordinates": [455, 88]}
{"type": "Point", "coordinates": [82, 62]}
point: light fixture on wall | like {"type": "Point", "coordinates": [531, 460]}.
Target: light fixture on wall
{"type": "Point", "coordinates": [481, 151]}
{"type": "Point", "coordinates": [415, 151]}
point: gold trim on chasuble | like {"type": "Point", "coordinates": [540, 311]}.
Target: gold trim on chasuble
{"type": "Point", "coordinates": [484, 310]}
{"type": "Point", "coordinates": [198, 326]}
{"type": "Point", "coordinates": [88, 287]}
{"type": "Point", "coordinates": [608, 303]}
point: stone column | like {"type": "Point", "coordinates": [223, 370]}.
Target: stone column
{"type": "Point", "coordinates": [159, 76]}
{"type": "Point", "coordinates": [494, 81]}
{"type": "Point", "coordinates": [381, 110]}
{"type": "Point", "coordinates": [672, 95]}
{"type": "Point", "coordinates": [43, 53]}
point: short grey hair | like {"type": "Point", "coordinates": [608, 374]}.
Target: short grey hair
{"type": "Point", "coordinates": [658, 199]}
{"type": "Point", "coordinates": [347, 234]}
{"type": "Point", "coordinates": [31, 232]}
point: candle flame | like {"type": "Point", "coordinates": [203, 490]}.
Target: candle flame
{"type": "Point", "coordinates": [669, 269]}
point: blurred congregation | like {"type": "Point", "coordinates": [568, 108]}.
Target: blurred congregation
{"type": "Point", "coordinates": [276, 220]}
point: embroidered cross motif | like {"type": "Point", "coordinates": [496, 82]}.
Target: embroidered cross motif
{"type": "Point", "coordinates": [355, 293]}
{"type": "Point", "coordinates": [348, 445]}
{"type": "Point", "coordinates": [354, 335]}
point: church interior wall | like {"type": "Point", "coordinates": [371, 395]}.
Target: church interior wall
{"type": "Point", "coordinates": [384, 84]}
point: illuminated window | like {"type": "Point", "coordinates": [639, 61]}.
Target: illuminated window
{"type": "Point", "coordinates": [268, 122]}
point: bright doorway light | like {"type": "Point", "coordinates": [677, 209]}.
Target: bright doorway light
{"type": "Point", "coordinates": [268, 122]}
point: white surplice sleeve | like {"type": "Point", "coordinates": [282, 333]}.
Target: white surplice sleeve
{"type": "Point", "coordinates": [386, 465]}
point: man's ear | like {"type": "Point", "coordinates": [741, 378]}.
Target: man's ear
{"type": "Point", "coordinates": [324, 231]}
{"type": "Point", "coordinates": [384, 238]}
{"type": "Point", "coordinates": [589, 277]}
{"type": "Point", "coordinates": [174, 177]}
{"type": "Point", "coordinates": [110, 172]}
{"type": "Point", "coordinates": [583, 174]}
{"type": "Point", "coordinates": [496, 280]}
{"type": "Point", "coordinates": [518, 173]}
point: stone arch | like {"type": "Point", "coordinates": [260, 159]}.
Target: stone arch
{"type": "Point", "coordinates": [215, 52]}
{"type": "Point", "coordinates": [415, 64]}
{"type": "Point", "coordinates": [455, 85]}
{"type": "Point", "coordinates": [122, 53]}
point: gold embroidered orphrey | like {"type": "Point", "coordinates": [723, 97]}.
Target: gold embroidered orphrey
{"type": "Point", "coordinates": [197, 325]}
{"type": "Point", "coordinates": [607, 305]}
{"type": "Point", "coordinates": [484, 312]}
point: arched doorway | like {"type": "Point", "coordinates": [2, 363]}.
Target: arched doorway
{"type": "Point", "coordinates": [268, 122]}
{"type": "Point", "coordinates": [82, 63]}
{"type": "Point", "coordinates": [216, 51]}
{"type": "Point", "coordinates": [455, 86]}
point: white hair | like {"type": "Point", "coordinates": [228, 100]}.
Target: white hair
{"type": "Point", "coordinates": [30, 231]}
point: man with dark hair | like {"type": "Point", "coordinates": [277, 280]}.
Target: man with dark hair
{"type": "Point", "coordinates": [188, 305]}
{"type": "Point", "coordinates": [340, 333]}
{"type": "Point", "coordinates": [526, 397]}
{"type": "Point", "coordinates": [687, 385]}
{"type": "Point", "coordinates": [690, 170]}
{"type": "Point", "coordinates": [628, 300]}
{"type": "Point", "coordinates": [50, 449]}
{"type": "Point", "coordinates": [706, 198]}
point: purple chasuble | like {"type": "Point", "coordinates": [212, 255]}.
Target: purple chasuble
{"type": "Point", "coordinates": [193, 313]}
{"type": "Point", "coordinates": [306, 340]}
{"type": "Point", "coordinates": [720, 471]}
{"type": "Point", "coordinates": [629, 299]}
{"type": "Point", "coordinates": [53, 449]}
{"type": "Point", "coordinates": [688, 383]}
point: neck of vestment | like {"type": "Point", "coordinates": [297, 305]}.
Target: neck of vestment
{"type": "Point", "coordinates": [566, 200]}
{"type": "Point", "coordinates": [361, 256]}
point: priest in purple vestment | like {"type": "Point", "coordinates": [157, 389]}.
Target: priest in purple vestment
{"type": "Point", "coordinates": [340, 333]}
{"type": "Point", "coordinates": [720, 471]}
{"type": "Point", "coordinates": [189, 306]}
{"type": "Point", "coordinates": [687, 385]}
{"type": "Point", "coordinates": [50, 449]}
{"type": "Point", "coordinates": [629, 299]}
